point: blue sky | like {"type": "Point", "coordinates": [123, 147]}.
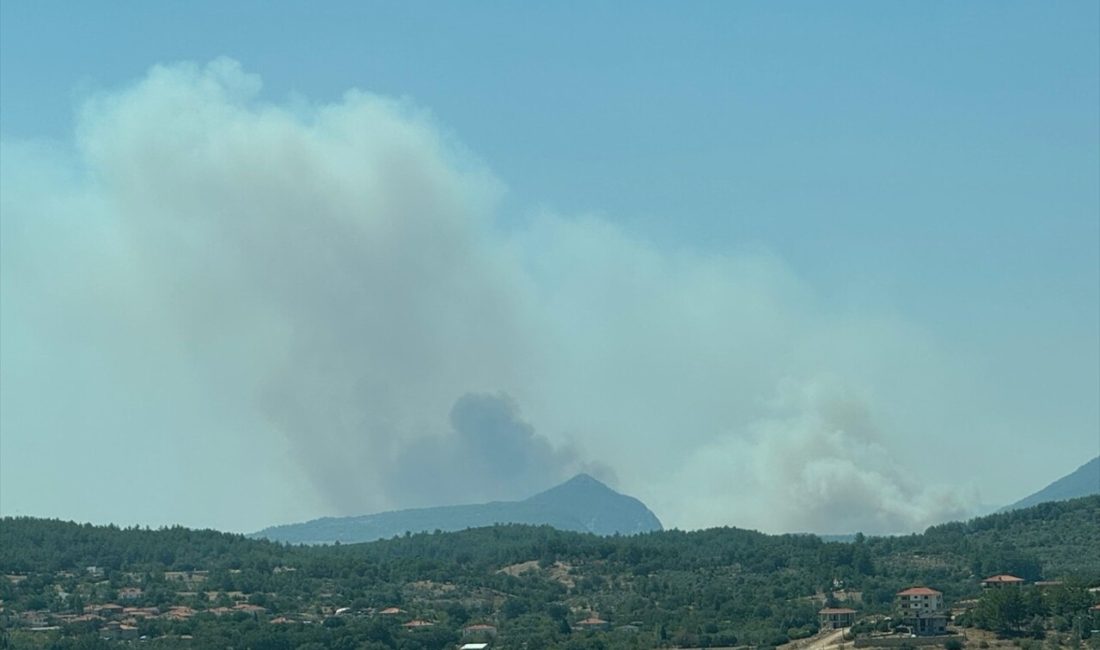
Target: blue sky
{"type": "Point", "coordinates": [926, 175]}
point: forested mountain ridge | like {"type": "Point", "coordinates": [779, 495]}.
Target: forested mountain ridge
{"type": "Point", "coordinates": [721, 586]}
{"type": "Point", "coordinates": [1084, 481]}
{"type": "Point", "coordinates": [581, 504]}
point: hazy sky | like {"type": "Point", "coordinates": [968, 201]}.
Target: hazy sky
{"type": "Point", "coordinates": [794, 267]}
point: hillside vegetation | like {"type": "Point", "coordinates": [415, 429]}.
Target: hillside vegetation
{"type": "Point", "coordinates": [718, 587]}
{"type": "Point", "coordinates": [1082, 482]}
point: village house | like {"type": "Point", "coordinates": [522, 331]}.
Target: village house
{"type": "Point", "coordinates": [34, 618]}
{"type": "Point", "coordinates": [118, 631]}
{"type": "Point", "coordinates": [105, 610]}
{"type": "Point", "coordinates": [479, 629]}
{"type": "Point", "coordinates": [130, 593]}
{"type": "Point", "coordinates": [1002, 580]}
{"type": "Point", "coordinates": [592, 623]}
{"type": "Point", "coordinates": [179, 613]}
{"type": "Point", "coordinates": [922, 610]}
{"type": "Point", "coordinates": [835, 618]}
{"type": "Point", "coordinates": [417, 624]}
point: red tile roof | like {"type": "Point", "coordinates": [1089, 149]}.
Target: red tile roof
{"type": "Point", "coordinates": [919, 591]}
{"type": "Point", "coordinates": [418, 623]}
{"type": "Point", "coordinates": [592, 620]}
{"type": "Point", "coordinates": [1002, 578]}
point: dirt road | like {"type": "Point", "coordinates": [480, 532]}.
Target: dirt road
{"type": "Point", "coordinates": [831, 639]}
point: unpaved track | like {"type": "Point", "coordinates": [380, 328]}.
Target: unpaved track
{"type": "Point", "coordinates": [831, 639]}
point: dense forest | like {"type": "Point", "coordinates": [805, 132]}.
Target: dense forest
{"type": "Point", "coordinates": [67, 585]}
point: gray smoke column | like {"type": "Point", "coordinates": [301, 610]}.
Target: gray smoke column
{"type": "Point", "coordinates": [490, 453]}
{"type": "Point", "coordinates": [321, 297]}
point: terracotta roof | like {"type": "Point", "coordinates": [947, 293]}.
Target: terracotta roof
{"type": "Point", "coordinates": [837, 610]}
{"type": "Point", "coordinates": [919, 591]}
{"type": "Point", "coordinates": [1003, 578]}
{"type": "Point", "coordinates": [418, 623]}
{"type": "Point", "coordinates": [180, 612]}
{"type": "Point", "coordinates": [389, 611]}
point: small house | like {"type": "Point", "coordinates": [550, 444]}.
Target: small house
{"type": "Point", "coordinates": [479, 629]}
{"type": "Point", "coordinates": [835, 618]}
{"type": "Point", "coordinates": [592, 623]}
{"type": "Point", "coordinates": [1003, 580]}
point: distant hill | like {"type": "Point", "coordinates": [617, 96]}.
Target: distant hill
{"type": "Point", "coordinates": [1083, 482]}
{"type": "Point", "coordinates": [581, 504]}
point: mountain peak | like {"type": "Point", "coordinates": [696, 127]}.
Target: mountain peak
{"type": "Point", "coordinates": [585, 480]}
{"type": "Point", "coordinates": [580, 486]}
{"type": "Point", "coordinates": [596, 508]}
{"type": "Point", "coordinates": [583, 503]}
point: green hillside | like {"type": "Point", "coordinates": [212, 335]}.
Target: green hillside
{"type": "Point", "coordinates": [718, 587]}
{"type": "Point", "coordinates": [1082, 482]}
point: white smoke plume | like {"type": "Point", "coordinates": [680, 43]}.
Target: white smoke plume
{"type": "Point", "coordinates": [332, 284]}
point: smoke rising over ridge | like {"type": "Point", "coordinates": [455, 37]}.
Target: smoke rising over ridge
{"type": "Point", "coordinates": [333, 281]}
